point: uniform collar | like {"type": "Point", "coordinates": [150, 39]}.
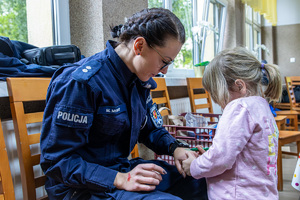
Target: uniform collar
{"type": "Point", "coordinates": [121, 69]}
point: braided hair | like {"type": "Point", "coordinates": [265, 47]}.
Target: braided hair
{"type": "Point", "coordinates": [154, 24]}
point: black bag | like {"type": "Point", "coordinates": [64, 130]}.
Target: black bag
{"type": "Point", "coordinates": [53, 55]}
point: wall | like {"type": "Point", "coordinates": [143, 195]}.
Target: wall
{"type": "Point", "coordinates": [235, 26]}
{"type": "Point", "coordinates": [284, 39]}
{"type": "Point", "coordinates": [90, 21]}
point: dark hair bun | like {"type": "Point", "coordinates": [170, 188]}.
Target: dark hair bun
{"type": "Point", "coordinates": [116, 31]}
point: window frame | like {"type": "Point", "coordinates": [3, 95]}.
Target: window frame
{"type": "Point", "coordinates": [255, 26]}
{"type": "Point", "coordinates": [61, 22]}
{"type": "Point", "coordinates": [197, 58]}
{"type": "Point", "coordinates": [218, 44]}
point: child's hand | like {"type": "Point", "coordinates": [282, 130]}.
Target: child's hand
{"type": "Point", "coordinates": [186, 164]}
{"type": "Point", "coordinates": [200, 149]}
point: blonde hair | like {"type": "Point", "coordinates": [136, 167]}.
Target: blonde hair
{"type": "Point", "coordinates": [238, 63]}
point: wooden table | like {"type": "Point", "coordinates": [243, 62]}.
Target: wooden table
{"type": "Point", "coordinates": [280, 121]}
{"type": "Point", "coordinates": [286, 137]}
{"type": "Point", "coordinates": [292, 115]}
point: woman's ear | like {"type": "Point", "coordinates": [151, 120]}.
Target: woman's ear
{"type": "Point", "coordinates": [138, 45]}
{"type": "Point", "coordinates": [241, 85]}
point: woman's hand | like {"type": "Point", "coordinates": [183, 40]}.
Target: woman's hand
{"type": "Point", "coordinates": [180, 154]}
{"type": "Point", "coordinates": [186, 164]}
{"type": "Point", "coordinates": [144, 177]}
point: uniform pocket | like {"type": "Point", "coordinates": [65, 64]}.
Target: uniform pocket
{"type": "Point", "coordinates": [110, 124]}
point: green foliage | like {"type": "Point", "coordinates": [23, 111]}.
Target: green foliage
{"type": "Point", "coordinates": [183, 10]}
{"type": "Point", "coordinates": [155, 3]}
{"type": "Point", "coordinates": [205, 63]}
{"type": "Point", "coordinates": [13, 19]}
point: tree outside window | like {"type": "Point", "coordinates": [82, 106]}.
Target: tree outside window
{"type": "Point", "coordinates": [194, 14]}
{"type": "Point", "coordinates": [13, 20]}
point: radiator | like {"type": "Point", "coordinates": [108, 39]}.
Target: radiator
{"type": "Point", "coordinates": [180, 105]}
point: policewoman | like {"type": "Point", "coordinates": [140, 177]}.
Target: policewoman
{"type": "Point", "coordinates": [97, 110]}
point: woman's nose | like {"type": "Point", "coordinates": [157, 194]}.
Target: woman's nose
{"type": "Point", "coordinates": [164, 70]}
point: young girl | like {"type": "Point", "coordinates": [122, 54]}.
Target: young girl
{"type": "Point", "coordinates": [241, 163]}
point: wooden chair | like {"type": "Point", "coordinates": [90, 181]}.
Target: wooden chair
{"type": "Point", "coordinates": [291, 82]}
{"type": "Point", "coordinates": [135, 152]}
{"type": "Point", "coordinates": [280, 122]}
{"type": "Point", "coordinates": [194, 85]}
{"type": "Point", "coordinates": [293, 107]}
{"type": "Point", "coordinates": [160, 95]}
{"type": "Point", "coordinates": [6, 184]}
{"type": "Point", "coordinates": [22, 90]}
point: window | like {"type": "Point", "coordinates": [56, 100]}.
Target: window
{"type": "Point", "coordinates": [40, 23]}
{"type": "Point", "coordinates": [214, 33]}
{"type": "Point", "coordinates": [13, 22]}
{"type": "Point", "coordinates": [253, 32]}
{"type": "Point", "coordinates": [204, 22]}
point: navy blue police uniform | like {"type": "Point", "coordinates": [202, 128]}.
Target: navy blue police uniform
{"type": "Point", "coordinates": [96, 111]}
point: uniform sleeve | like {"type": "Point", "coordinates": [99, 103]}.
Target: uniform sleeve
{"type": "Point", "coordinates": [67, 121]}
{"type": "Point", "coordinates": [153, 134]}
{"type": "Point", "coordinates": [234, 130]}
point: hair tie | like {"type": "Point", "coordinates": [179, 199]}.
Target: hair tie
{"type": "Point", "coordinates": [263, 65]}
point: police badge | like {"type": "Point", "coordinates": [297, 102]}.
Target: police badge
{"type": "Point", "coordinates": [156, 116]}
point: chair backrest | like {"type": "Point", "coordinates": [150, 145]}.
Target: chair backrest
{"type": "Point", "coordinates": [198, 93]}
{"type": "Point", "coordinates": [6, 184]}
{"type": "Point", "coordinates": [160, 95]}
{"type": "Point", "coordinates": [291, 83]}
{"type": "Point", "coordinates": [22, 90]}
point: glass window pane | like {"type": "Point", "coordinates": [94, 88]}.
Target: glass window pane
{"type": "Point", "coordinates": [27, 21]}
{"type": "Point", "coordinates": [256, 18]}
{"type": "Point", "coordinates": [257, 42]}
{"type": "Point", "coordinates": [255, 37]}
{"type": "Point", "coordinates": [13, 21]}
{"type": "Point", "coordinates": [248, 36]}
{"type": "Point", "coordinates": [155, 3]}
{"type": "Point", "coordinates": [209, 48]}
{"type": "Point", "coordinates": [183, 10]}
{"type": "Point", "coordinates": [200, 9]}
{"type": "Point", "coordinates": [248, 12]}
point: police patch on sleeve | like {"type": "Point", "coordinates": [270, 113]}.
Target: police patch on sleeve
{"type": "Point", "coordinates": [156, 116]}
{"type": "Point", "coordinates": [72, 117]}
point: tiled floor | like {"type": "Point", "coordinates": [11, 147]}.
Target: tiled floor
{"type": "Point", "coordinates": [288, 165]}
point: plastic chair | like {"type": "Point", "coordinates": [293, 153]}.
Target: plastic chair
{"type": "Point", "coordinates": [160, 95]}
{"type": "Point", "coordinates": [22, 90]}
{"type": "Point", "coordinates": [6, 184]}
{"type": "Point", "coordinates": [194, 86]}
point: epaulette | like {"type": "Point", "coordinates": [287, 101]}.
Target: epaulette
{"type": "Point", "coordinates": [150, 84]}
{"type": "Point", "coordinates": [86, 71]}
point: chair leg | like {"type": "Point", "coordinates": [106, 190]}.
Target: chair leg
{"type": "Point", "coordinates": [295, 122]}
{"type": "Point", "coordinates": [279, 167]}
